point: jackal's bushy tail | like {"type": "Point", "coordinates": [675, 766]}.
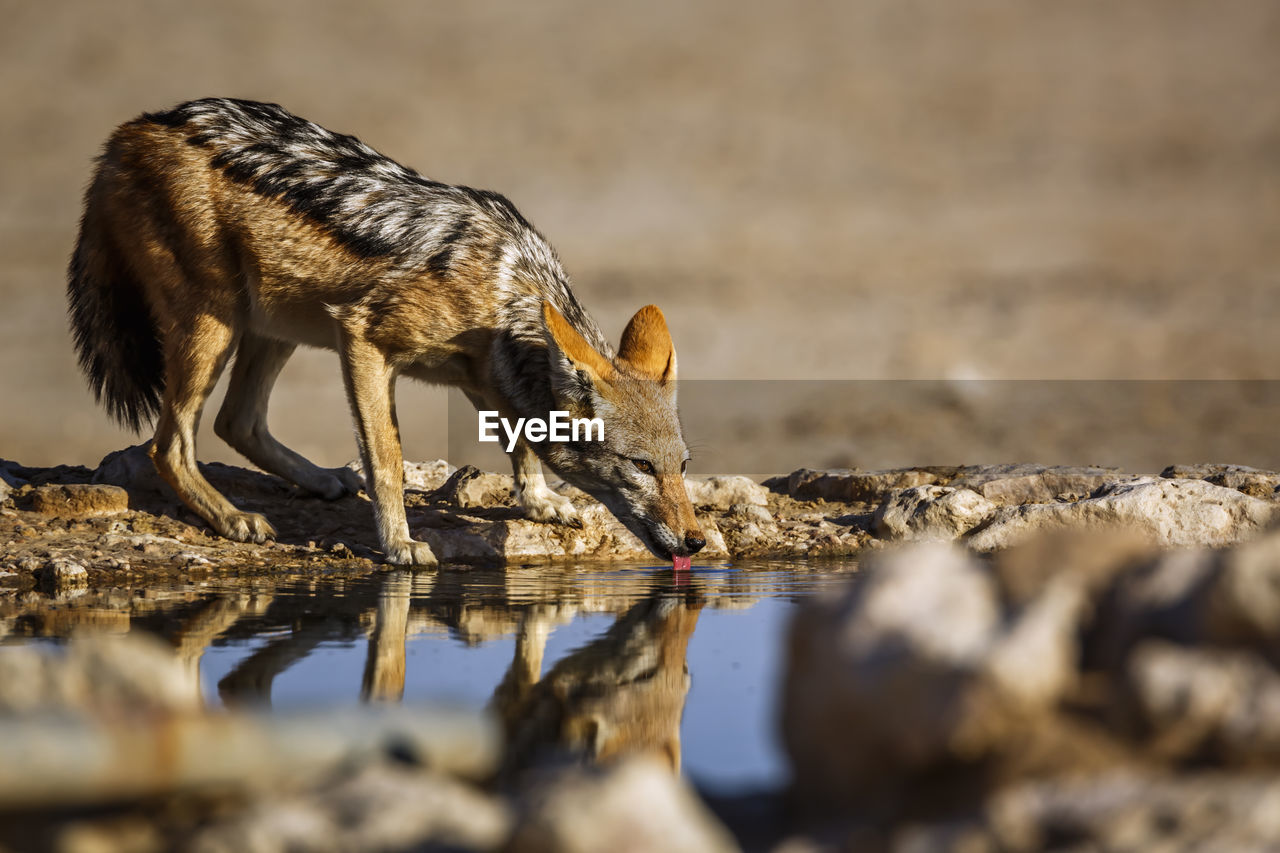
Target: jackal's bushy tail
{"type": "Point", "coordinates": [114, 332]}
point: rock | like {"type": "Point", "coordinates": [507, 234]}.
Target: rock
{"type": "Point", "coordinates": [1241, 604]}
{"type": "Point", "coordinates": [849, 486]}
{"type": "Point", "coordinates": [521, 540]}
{"type": "Point", "coordinates": [931, 512]}
{"type": "Point", "coordinates": [1034, 661]}
{"type": "Point", "coordinates": [423, 476]}
{"type": "Point", "coordinates": [469, 487]}
{"type": "Point", "coordinates": [1199, 702]}
{"type": "Point", "coordinates": [131, 468]}
{"type": "Point", "coordinates": [1193, 596]}
{"type": "Point", "coordinates": [380, 807]}
{"type": "Point", "coordinates": [9, 479]}
{"type": "Point", "coordinates": [722, 492]}
{"type": "Point", "coordinates": [637, 805]}
{"type": "Point", "coordinates": [1012, 485]}
{"type": "Point", "coordinates": [919, 668]}
{"type": "Point", "coordinates": [60, 574]}
{"type": "Point", "coordinates": [1091, 558]}
{"type": "Point", "coordinates": [715, 546]}
{"type": "Point", "coordinates": [78, 500]}
{"type": "Point", "coordinates": [877, 679]}
{"type": "Point", "coordinates": [1251, 481]}
{"type": "Point", "coordinates": [752, 513]}
{"type": "Point", "coordinates": [1163, 598]}
{"type": "Point", "coordinates": [1174, 513]}
{"type": "Point", "coordinates": [104, 674]}
{"type": "Point", "coordinates": [1136, 810]}
{"type": "Point", "coordinates": [489, 541]}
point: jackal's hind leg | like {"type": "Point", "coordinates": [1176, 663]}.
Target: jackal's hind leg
{"type": "Point", "coordinates": [193, 359]}
{"type": "Point", "coordinates": [539, 501]}
{"type": "Point", "coordinates": [242, 421]}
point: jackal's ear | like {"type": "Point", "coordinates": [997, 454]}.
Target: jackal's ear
{"type": "Point", "coordinates": [646, 345]}
{"type": "Point", "coordinates": [572, 350]}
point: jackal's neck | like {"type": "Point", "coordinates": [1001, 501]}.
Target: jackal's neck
{"type": "Point", "coordinates": [521, 366]}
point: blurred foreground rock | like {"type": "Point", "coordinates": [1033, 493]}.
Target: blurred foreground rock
{"type": "Point", "coordinates": [1087, 686]}
{"type": "Point", "coordinates": [114, 728]}
{"type": "Point", "coordinates": [637, 805]}
{"type": "Point", "coordinates": [380, 807]}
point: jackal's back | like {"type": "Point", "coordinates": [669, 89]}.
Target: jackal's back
{"type": "Point", "coordinates": [375, 206]}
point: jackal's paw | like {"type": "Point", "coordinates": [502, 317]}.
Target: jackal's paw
{"type": "Point", "coordinates": [411, 552]}
{"type": "Point", "coordinates": [551, 508]}
{"type": "Point", "coordinates": [333, 483]}
{"type": "Point", "coordinates": [247, 527]}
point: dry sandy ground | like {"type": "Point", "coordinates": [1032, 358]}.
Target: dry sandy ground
{"type": "Point", "coordinates": [875, 190]}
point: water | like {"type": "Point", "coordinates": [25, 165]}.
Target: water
{"type": "Point", "coordinates": [587, 658]}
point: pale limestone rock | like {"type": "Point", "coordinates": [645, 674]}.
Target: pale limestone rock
{"type": "Point", "coordinates": [1174, 513]}
{"type": "Point", "coordinates": [1011, 485]}
{"type": "Point", "coordinates": [1251, 481]}
{"type": "Point", "coordinates": [423, 476]}
{"type": "Point", "coordinates": [720, 493]}
{"type": "Point", "coordinates": [931, 512]}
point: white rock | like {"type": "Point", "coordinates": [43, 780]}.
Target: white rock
{"type": "Point", "coordinates": [931, 512]}
{"type": "Point", "coordinates": [1174, 513]}
{"type": "Point", "coordinates": [723, 492]}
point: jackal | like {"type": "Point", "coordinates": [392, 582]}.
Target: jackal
{"type": "Point", "coordinates": [226, 226]}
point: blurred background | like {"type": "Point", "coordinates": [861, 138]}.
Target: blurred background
{"type": "Point", "coordinates": [873, 190]}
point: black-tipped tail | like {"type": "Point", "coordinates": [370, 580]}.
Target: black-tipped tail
{"type": "Point", "coordinates": [115, 334]}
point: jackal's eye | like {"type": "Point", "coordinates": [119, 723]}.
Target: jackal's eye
{"type": "Point", "coordinates": [684, 465]}
{"type": "Point", "coordinates": [645, 466]}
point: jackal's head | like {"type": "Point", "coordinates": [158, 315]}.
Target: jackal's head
{"type": "Point", "coordinates": [637, 470]}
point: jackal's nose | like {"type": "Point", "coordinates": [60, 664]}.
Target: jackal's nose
{"type": "Point", "coordinates": [694, 543]}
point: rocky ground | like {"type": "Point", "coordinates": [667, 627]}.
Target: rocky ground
{"type": "Point", "coordinates": [1028, 657]}
{"type": "Point", "coordinates": [71, 525]}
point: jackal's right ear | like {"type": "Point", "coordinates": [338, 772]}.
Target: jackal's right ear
{"type": "Point", "coordinates": [570, 353]}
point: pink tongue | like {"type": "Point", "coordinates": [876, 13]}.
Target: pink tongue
{"type": "Point", "coordinates": [682, 563]}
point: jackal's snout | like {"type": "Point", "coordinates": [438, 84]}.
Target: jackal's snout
{"type": "Point", "coordinates": [681, 533]}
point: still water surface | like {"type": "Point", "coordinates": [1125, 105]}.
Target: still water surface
{"type": "Point", "coordinates": [601, 660]}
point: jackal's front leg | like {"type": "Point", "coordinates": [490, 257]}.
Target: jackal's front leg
{"type": "Point", "coordinates": [539, 501]}
{"type": "Point", "coordinates": [369, 380]}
